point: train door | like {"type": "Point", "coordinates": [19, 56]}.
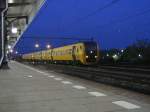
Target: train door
{"type": "Point", "coordinates": [73, 53]}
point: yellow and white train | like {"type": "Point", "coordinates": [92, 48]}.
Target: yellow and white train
{"type": "Point", "coordinates": [86, 53]}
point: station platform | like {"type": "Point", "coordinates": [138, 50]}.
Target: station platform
{"type": "Point", "coordinates": [27, 89]}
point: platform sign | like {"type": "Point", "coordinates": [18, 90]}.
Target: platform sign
{"type": "Point", "coordinates": [3, 8]}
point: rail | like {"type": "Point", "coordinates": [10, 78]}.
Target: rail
{"type": "Point", "coordinates": [135, 79]}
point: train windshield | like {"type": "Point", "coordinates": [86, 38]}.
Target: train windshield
{"type": "Point", "coordinates": [91, 51]}
{"type": "Point", "coordinates": [90, 46]}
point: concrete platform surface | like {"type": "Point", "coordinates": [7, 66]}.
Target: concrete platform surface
{"type": "Point", "coordinates": [27, 89]}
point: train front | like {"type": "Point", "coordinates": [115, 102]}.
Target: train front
{"type": "Point", "coordinates": [91, 53]}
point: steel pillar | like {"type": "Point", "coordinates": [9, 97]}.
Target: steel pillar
{"type": "Point", "coordinates": [3, 9]}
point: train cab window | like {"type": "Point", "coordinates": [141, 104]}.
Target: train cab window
{"type": "Point", "coordinates": [65, 52]}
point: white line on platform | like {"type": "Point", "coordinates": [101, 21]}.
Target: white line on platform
{"type": "Point", "coordinates": [39, 71]}
{"type": "Point", "coordinates": [31, 68]}
{"type": "Point", "coordinates": [66, 82]}
{"type": "Point", "coordinates": [79, 87]}
{"type": "Point", "coordinates": [126, 105]}
{"type": "Point", "coordinates": [97, 94]}
{"type": "Point", "coordinates": [30, 76]}
{"type": "Point", "coordinates": [58, 79]}
{"type": "Point", "coordinates": [12, 61]}
{"type": "Point", "coordinates": [51, 76]}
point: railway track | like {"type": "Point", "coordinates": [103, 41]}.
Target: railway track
{"type": "Point", "coordinates": [137, 79]}
{"type": "Point", "coordinates": [126, 66]}
{"type": "Point", "coordinates": [131, 69]}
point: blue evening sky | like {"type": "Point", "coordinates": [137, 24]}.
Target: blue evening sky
{"type": "Point", "coordinates": [112, 23]}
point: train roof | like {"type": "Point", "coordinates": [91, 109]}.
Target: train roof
{"type": "Point", "coordinates": [80, 42]}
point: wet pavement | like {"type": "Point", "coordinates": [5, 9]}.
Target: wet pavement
{"type": "Point", "coordinates": [27, 89]}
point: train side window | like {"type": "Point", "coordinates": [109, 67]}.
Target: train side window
{"type": "Point", "coordinates": [54, 53]}
{"type": "Point", "coordinates": [81, 47]}
{"type": "Point", "coordinates": [77, 50]}
{"type": "Point", "coordinates": [60, 53]}
{"type": "Point", "coordinates": [63, 52]}
{"type": "Point", "coordinates": [69, 51]}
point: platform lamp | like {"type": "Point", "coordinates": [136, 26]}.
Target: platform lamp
{"type": "Point", "coordinates": [48, 46]}
{"type": "Point", "coordinates": [37, 45]}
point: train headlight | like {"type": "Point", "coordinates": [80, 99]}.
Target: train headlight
{"type": "Point", "coordinates": [87, 56]}
{"type": "Point", "coordinates": [95, 56]}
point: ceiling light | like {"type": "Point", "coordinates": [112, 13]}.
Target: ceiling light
{"type": "Point", "coordinates": [14, 30]}
{"type": "Point", "coordinates": [11, 51]}
{"type": "Point", "coordinates": [7, 52]}
{"type": "Point", "coordinates": [9, 47]}
{"type": "Point", "coordinates": [16, 52]}
{"type": "Point", "coordinates": [10, 1]}
{"type": "Point", "coordinates": [8, 37]}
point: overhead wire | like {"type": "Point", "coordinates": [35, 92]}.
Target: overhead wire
{"type": "Point", "coordinates": [126, 18]}
{"type": "Point", "coordinates": [97, 11]}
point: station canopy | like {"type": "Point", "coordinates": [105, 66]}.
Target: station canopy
{"type": "Point", "coordinates": [112, 23]}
